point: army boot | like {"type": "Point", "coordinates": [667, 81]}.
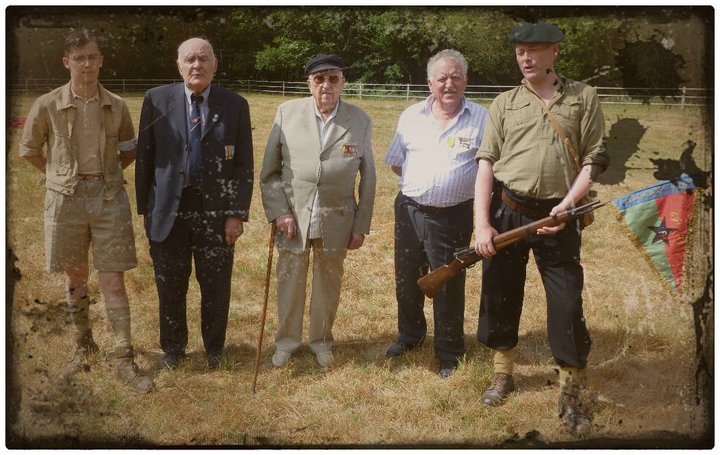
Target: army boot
{"type": "Point", "coordinates": [502, 383]}
{"type": "Point", "coordinates": [125, 365]}
{"type": "Point", "coordinates": [570, 408]}
{"type": "Point", "coordinates": [85, 346]}
{"type": "Point", "coordinates": [128, 371]}
{"type": "Point", "coordinates": [78, 310]}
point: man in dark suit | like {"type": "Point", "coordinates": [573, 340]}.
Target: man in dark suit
{"type": "Point", "coordinates": [194, 180]}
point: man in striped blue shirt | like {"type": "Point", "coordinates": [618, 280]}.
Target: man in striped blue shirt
{"type": "Point", "coordinates": [433, 152]}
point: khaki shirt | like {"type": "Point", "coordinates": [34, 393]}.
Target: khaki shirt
{"type": "Point", "coordinates": [527, 153]}
{"type": "Point", "coordinates": [86, 134]}
{"type": "Point", "coordinates": [48, 132]}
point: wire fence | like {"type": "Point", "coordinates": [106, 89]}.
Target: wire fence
{"type": "Point", "coordinates": [680, 97]}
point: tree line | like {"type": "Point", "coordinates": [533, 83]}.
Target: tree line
{"type": "Point", "coordinates": [607, 46]}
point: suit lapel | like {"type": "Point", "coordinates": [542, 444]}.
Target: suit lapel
{"type": "Point", "coordinates": [214, 109]}
{"type": "Point", "coordinates": [178, 112]}
{"type": "Point", "coordinates": [339, 128]}
{"type": "Point", "coordinates": [311, 123]}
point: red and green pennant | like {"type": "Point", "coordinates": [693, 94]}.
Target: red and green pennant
{"type": "Point", "coordinates": [658, 218]}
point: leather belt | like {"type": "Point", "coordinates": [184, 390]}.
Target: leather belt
{"type": "Point", "coordinates": [90, 176]}
{"type": "Point", "coordinates": [531, 212]}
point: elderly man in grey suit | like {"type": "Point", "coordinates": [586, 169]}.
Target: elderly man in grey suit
{"type": "Point", "coordinates": [317, 147]}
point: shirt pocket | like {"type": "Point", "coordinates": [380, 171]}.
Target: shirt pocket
{"type": "Point", "coordinates": [518, 113]}
{"type": "Point", "coordinates": [570, 109]}
{"type": "Point", "coordinates": [61, 150]}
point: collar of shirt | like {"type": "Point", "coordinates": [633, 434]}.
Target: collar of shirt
{"type": "Point", "coordinates": [560, 90]}
{"type": "Point", "coordinates": [95, 97]}
{"type": "Point", "coordinates": [204, 94]}
{"type": "Point", "coordinates": [318, 114]}
{"type": "Point", "coordinates": [427, 109]}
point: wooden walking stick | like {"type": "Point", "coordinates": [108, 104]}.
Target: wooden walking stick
{"type": "Point", "coordinates": [271, 247]}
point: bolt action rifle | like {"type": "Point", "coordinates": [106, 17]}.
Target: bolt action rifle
{"type": "Point", "coordinates": [466, 258]}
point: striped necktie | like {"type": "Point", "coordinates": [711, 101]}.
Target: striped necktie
{"type": "Point", "coordinates": [195, 176]}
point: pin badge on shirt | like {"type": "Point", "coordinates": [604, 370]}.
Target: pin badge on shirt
{"type": "Point", "coordinates": [464, 142]}
{"type": "Point", "coordinates": [451, 141]}
{"type": "Point", "coordinates": [229, 152]}
{"type": "Point", "coordinates": [349, 149]}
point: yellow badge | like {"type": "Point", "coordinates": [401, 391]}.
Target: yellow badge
{"type": "Point", "coordinates": [451, 141]}
{"type": "Point", "coordinates": [349, 149]}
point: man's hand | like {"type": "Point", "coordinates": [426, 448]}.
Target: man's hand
{"type": "Point", "coordinates": [547, 230]}
{"type": "Point", "coordinates": [233, 229]}
{"type": "Point", "coordinates": [286, 224]}
{"type": "Point", "coordinates": [356, 241]}
{"type": "Point", "coordinates": [483, 240]}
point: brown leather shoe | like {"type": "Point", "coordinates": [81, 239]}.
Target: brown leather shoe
{"type": "Point", "coordinates": [128, 371]}
{"type": "Point", "coordinates": [85, 346]}
{"type": "Point", "coordinates": [573, 414]}
{"type": "Point", "coordinates": [500, 387]}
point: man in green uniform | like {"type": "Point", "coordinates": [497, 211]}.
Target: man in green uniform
{"type": "Point", "coordinates": [526, 172]}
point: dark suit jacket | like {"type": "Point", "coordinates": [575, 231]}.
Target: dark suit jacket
{"type": "Point", "coordinates": [227, 156]}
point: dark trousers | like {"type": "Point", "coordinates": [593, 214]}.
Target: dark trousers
{"type": "Point", "coordinates": [199, 236]}
{"type": "Point", "coordinates": [428, 239]}
{"type": "Point", "coordinates": [503, 284]}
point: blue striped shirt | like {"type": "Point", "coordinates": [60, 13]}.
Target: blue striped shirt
{"type": "Point", "coordinates": [438, 165]}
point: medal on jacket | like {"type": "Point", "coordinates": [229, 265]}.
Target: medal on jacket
{"type": "Point", "coordinates": [349, 149]}
{"type": "Point", "coordinates": [229, 152]}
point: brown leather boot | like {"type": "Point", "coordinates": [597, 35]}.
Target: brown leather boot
{"type": "Point", "coordinates": [128, 371]}
{"type": "Point", "coordinates": [572, 413]}
{"type": "Point", "coordinates": [85, 345]}
{"type": "Point", "coordinates": [500, 387]}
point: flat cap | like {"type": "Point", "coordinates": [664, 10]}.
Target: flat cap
{"type": "Point", "coordinates": [541, 32]}
{"type": "Point", "coordinates": [323, 62]}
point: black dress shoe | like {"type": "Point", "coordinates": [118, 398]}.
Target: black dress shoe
{"type": "Point", "coordinates": [400, 347]}
{"type": "Point", "coordinates": [447, 369]}
{"type": "Point", "coordinates": [213, 361]}
{"type": "Point", "coordinates": [171, 360]}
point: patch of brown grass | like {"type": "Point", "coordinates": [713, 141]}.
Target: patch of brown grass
{"type": "Point", "coordinates": [641, 368]}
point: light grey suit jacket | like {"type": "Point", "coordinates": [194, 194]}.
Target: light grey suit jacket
{"type": "Point", "coordinates": [295, 167]}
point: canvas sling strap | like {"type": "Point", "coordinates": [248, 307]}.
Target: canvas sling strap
{"type": "Point", "coordinates": [588, 217]}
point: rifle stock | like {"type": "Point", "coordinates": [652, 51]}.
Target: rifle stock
{"type": "Point", "coordinates": [466, 258]}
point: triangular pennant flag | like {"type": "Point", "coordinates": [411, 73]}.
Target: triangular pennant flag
{"type": "Point", "coordinates": [658, 218]}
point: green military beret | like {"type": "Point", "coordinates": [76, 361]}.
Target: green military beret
{"type": "Point", "coordinates": [542, 32]}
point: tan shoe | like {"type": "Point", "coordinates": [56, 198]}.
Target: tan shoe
{"type": "Point", "coordinates": [571, 411]}
{"type": "Point", "coordinates": [281, 358]}
{"type": "Point", "coordinates": [85, 346]}
{"type": "Point", "coordinates": [325, 358]}
{"type": "Point", "coordinates": [128, 371]}
{"type": "Point", "coordinates": [500, 387]}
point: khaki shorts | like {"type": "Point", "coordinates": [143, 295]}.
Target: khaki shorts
{"type": "Point", "coordinates": [73, 223]}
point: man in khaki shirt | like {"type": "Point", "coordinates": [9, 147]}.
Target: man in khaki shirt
{"type": "Point", "coordinates": [81, 137]}
{"type": "Point", "coordinates": [526, 173]}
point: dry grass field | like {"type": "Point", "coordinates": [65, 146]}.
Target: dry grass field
{"type": "Point", "coordinates": [643, 385]}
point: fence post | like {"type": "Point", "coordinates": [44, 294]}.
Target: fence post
{"type": "Point", "coordinates": [360, 90]}
{"type": "Point", "coordinates": [407, 92]}
{"type": "Point", "coordinates": [682, 100]}
{"type": "Point", "coordinates": [283, 90]}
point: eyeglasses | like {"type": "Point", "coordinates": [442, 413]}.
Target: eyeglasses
{"type": "Point", "coordinates": [319, 79]}
{"type": "Point", "coordinates": [92, 58]}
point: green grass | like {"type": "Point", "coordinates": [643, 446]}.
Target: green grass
{"type": "Point", "coordinates": [641, 368]}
